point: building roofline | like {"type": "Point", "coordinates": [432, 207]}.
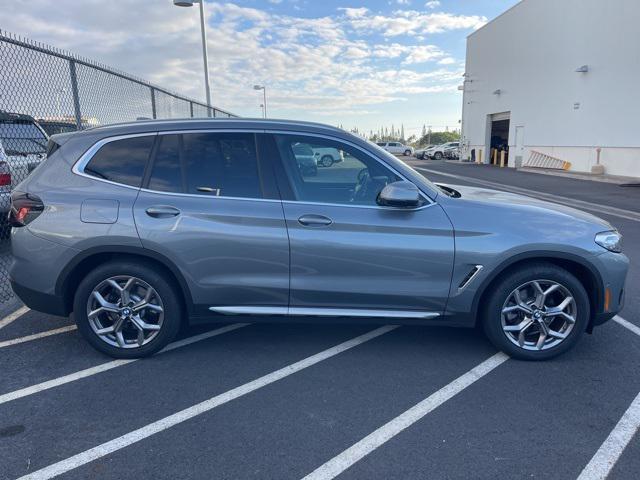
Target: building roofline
{"type": "Point", "coordinates": [496, 18]}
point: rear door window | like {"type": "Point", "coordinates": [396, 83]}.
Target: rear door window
{"type": "Point", "coordinates": [214, 164]}
{"type": "Point", "coordinates": [221, 164]}
{"type": "Point", "coordinates": [122, 161]}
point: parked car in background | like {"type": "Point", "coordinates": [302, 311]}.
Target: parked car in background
{"type": "Point", "coordinates": [420, 153]}
{"type": "Point", "coordinates": [137, 228]}
{"type": "Point", "coordinates": [452, 153]}
{"type": "Point", "coordinates": [328, 156]}
{"type": "Point", "coordinates": [396, 148]}
{"type": "Point", "coordinates": [437, 152]}
{"type": "Point", "coordinates": [23, 145]}
{"type": "Point", "coordinates": [306, 159]}
{"type": "Point", "coordinates": [54, 126]}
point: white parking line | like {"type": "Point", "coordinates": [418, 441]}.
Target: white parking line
{"type": "Point", "coordinates": [627, 324]}
{"type": "Point", "coordinates": [198, 409]}
{"type": "Point", "coordinates": [72, 377]}
{"type": "Point", "coordinates": [377, 438]}
{"type": "Point", "coordinates": [617, 212]}
{"type": "Point", "coordinates": [611, 450]}
{"type": "Point", "coordinates": [14, 316]}
{"type": "Point", "coordinates": [35, 336]}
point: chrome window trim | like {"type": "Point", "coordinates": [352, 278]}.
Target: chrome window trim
{"type": "Point", "coordinates": [81, 163]}
{"type": "Point", "coordinates": [366, 152]}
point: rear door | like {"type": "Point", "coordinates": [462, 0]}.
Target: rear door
{"type": "Point", "coordinates": [348, 253]}
{"type": "Point", "coordinates": [209, 205]}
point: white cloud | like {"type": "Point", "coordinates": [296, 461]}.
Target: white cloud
{"type": "Point", "coordinates": [355, 12]}
{"type": "Point", "coordinates": [410, 22]}
{"type": "Point", "coordinates": [432, 4]}
{"type": "Point", "coordinates": [447, 61]}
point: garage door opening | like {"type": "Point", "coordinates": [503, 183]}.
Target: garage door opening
{"type": "Point", "coordinates": [499, 139]}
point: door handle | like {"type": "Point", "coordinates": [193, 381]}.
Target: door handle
{"type": "Point", "coordinates": [314, 220]}
{"type": "Point", "coordinates": [162, 212]}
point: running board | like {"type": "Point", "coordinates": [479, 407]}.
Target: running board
{"type": "Point", "coordinates": [323, 312]}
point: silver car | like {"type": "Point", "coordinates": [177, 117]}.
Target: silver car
{"type": "Point", "coordinates": [138, 228]}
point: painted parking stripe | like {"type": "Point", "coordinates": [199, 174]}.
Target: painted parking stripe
{"type": "Point", "coordinates": [14, 316]}
{"type": "Point", "coordinates": [200, 408]}
{"type": "Point", "coordinates": [36, 336]}
{"type": "Point", "coordinates": [88, 372]}
{"type": "Point", "coordinates": [627, 324]}
{"type": "Point", "coordinates": [377, 438]}
{"type": "Point", "coordinates": [611, 450]}
{"type": "Point", "coordinates": [617, 212]}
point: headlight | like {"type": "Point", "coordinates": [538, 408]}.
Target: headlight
{"type": "Point", "coordinates": [611, 240]}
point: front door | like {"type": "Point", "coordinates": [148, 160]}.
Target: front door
{"type": "Point", "coordinates": [208, 208]}
{"type": "Point", "coordinates": [350, 255]}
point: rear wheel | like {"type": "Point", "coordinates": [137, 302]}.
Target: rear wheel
{"type": "Point", "coordinates": [407, 153]}
{"type": "Point", "coordinates": [127, 310]}
{"type": "Point", "coordinates": [438, 156]}
{"type": "Point", "coordinates": [537, 312]}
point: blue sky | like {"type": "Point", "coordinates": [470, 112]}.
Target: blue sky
{"type": "Point", "coordinates": [355, 63]}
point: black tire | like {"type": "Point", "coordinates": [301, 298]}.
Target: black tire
{"type": "Point", "coordinates": [326, 161]}
{"type": "Point", "coordinates": [407, 153]}
{"type": "Point", "coordinates": [168, 292]}
{"type": "Point", "coordinates": [438, 156]}
{"type": "Point", "coordinates": [492, 314]}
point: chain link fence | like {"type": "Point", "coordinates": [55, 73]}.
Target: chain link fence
{"type": "Point", "coordinates": [44, 91]}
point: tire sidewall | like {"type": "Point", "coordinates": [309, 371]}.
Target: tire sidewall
{"type": "Point", "coordinates": [492, 320]}
{"type": "Point", "coordinates": [166, 290]}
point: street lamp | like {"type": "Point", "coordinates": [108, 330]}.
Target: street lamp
{"type": "Point", "coordinates": [264, 96]}
{"type": "Point", "coordinates": [189, 3]}
{"type": "Point", "coordinates": [262, 109]}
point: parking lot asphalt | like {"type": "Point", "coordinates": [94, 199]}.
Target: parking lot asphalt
{"type": "Point", "coordinates": [286, 401]}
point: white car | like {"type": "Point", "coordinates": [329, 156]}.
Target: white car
{"type": "Point", "coordinates": [328, 156]}
{"type": "Point", "coordinates": [23, 146]}
{"type": "Point", "coordinates": [396, 148]}
{"type": "Point", "coordinates": [437, 152]}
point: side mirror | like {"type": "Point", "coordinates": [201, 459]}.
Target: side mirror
{"type": "Point", "coordinates": [400, 194]}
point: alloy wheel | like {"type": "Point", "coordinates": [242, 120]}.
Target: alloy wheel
{"type": "Point", "coordinates": [125, 311]}
{"type": "Point", "coordinates": [539, 315]}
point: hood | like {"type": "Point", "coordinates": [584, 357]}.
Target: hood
{"type": "Point", "coordinates": [523, 202]}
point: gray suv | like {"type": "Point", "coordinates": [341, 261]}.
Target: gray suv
{"type": "Point", "coordinates": [137, 228]}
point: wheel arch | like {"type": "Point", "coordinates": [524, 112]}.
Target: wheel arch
{"type": "Point", "coordinates": [584, 271]}
{"type": "Point", "coordinates": [92, 257]}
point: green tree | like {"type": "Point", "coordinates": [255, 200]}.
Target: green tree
{"type": "Point", "coordinates": [438, 138]}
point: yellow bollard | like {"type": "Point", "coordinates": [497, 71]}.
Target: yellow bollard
{"type": "Point", "coordinates": [502, 155]}
{"type": "Point", "coordinates": [494, 159]}
{"type": "Point", "coordinates": [480, 155]}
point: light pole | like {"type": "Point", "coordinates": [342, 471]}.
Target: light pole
{"type": "Point", "coordinates": [262, 108]}
{"type": "Point", "coordinates": [264, 97]}
{"type": "Point", "coordinates": [205, 56]}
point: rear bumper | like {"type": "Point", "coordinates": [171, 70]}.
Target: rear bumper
{"type": "Point", "coordinates": [41, 302]}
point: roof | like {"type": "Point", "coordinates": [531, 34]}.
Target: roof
{"type": "Point", "coordinates": [490, 22]}
{"type": "Point", "coordinates": [15, 117]}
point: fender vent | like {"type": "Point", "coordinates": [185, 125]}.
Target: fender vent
{"type": "Point", "coordinates": [470, 276]}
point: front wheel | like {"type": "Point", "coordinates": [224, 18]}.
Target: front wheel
{"type": "Point", "coordinates": [326, 161]}
{"type": "Point", "coordinates": [537, 312]}
{"type": "Point", "coordinates": [127, 310]}
{"type": "Point", "coordinates": [438, 156]}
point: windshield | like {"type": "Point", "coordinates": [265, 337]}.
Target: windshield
{"type": "Point", "coordinates": [22, 138]}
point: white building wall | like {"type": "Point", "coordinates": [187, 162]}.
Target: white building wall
{"type": "Point", "coordinates": [531, 53]}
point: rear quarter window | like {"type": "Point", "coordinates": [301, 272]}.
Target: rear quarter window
{"type": "Point", "coordinates": [122, 161]}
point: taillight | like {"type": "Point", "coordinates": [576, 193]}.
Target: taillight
{"type": "Point", "coordinates": [5, 175]}
{"type": "Point", "coordinates": [25, 208]}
